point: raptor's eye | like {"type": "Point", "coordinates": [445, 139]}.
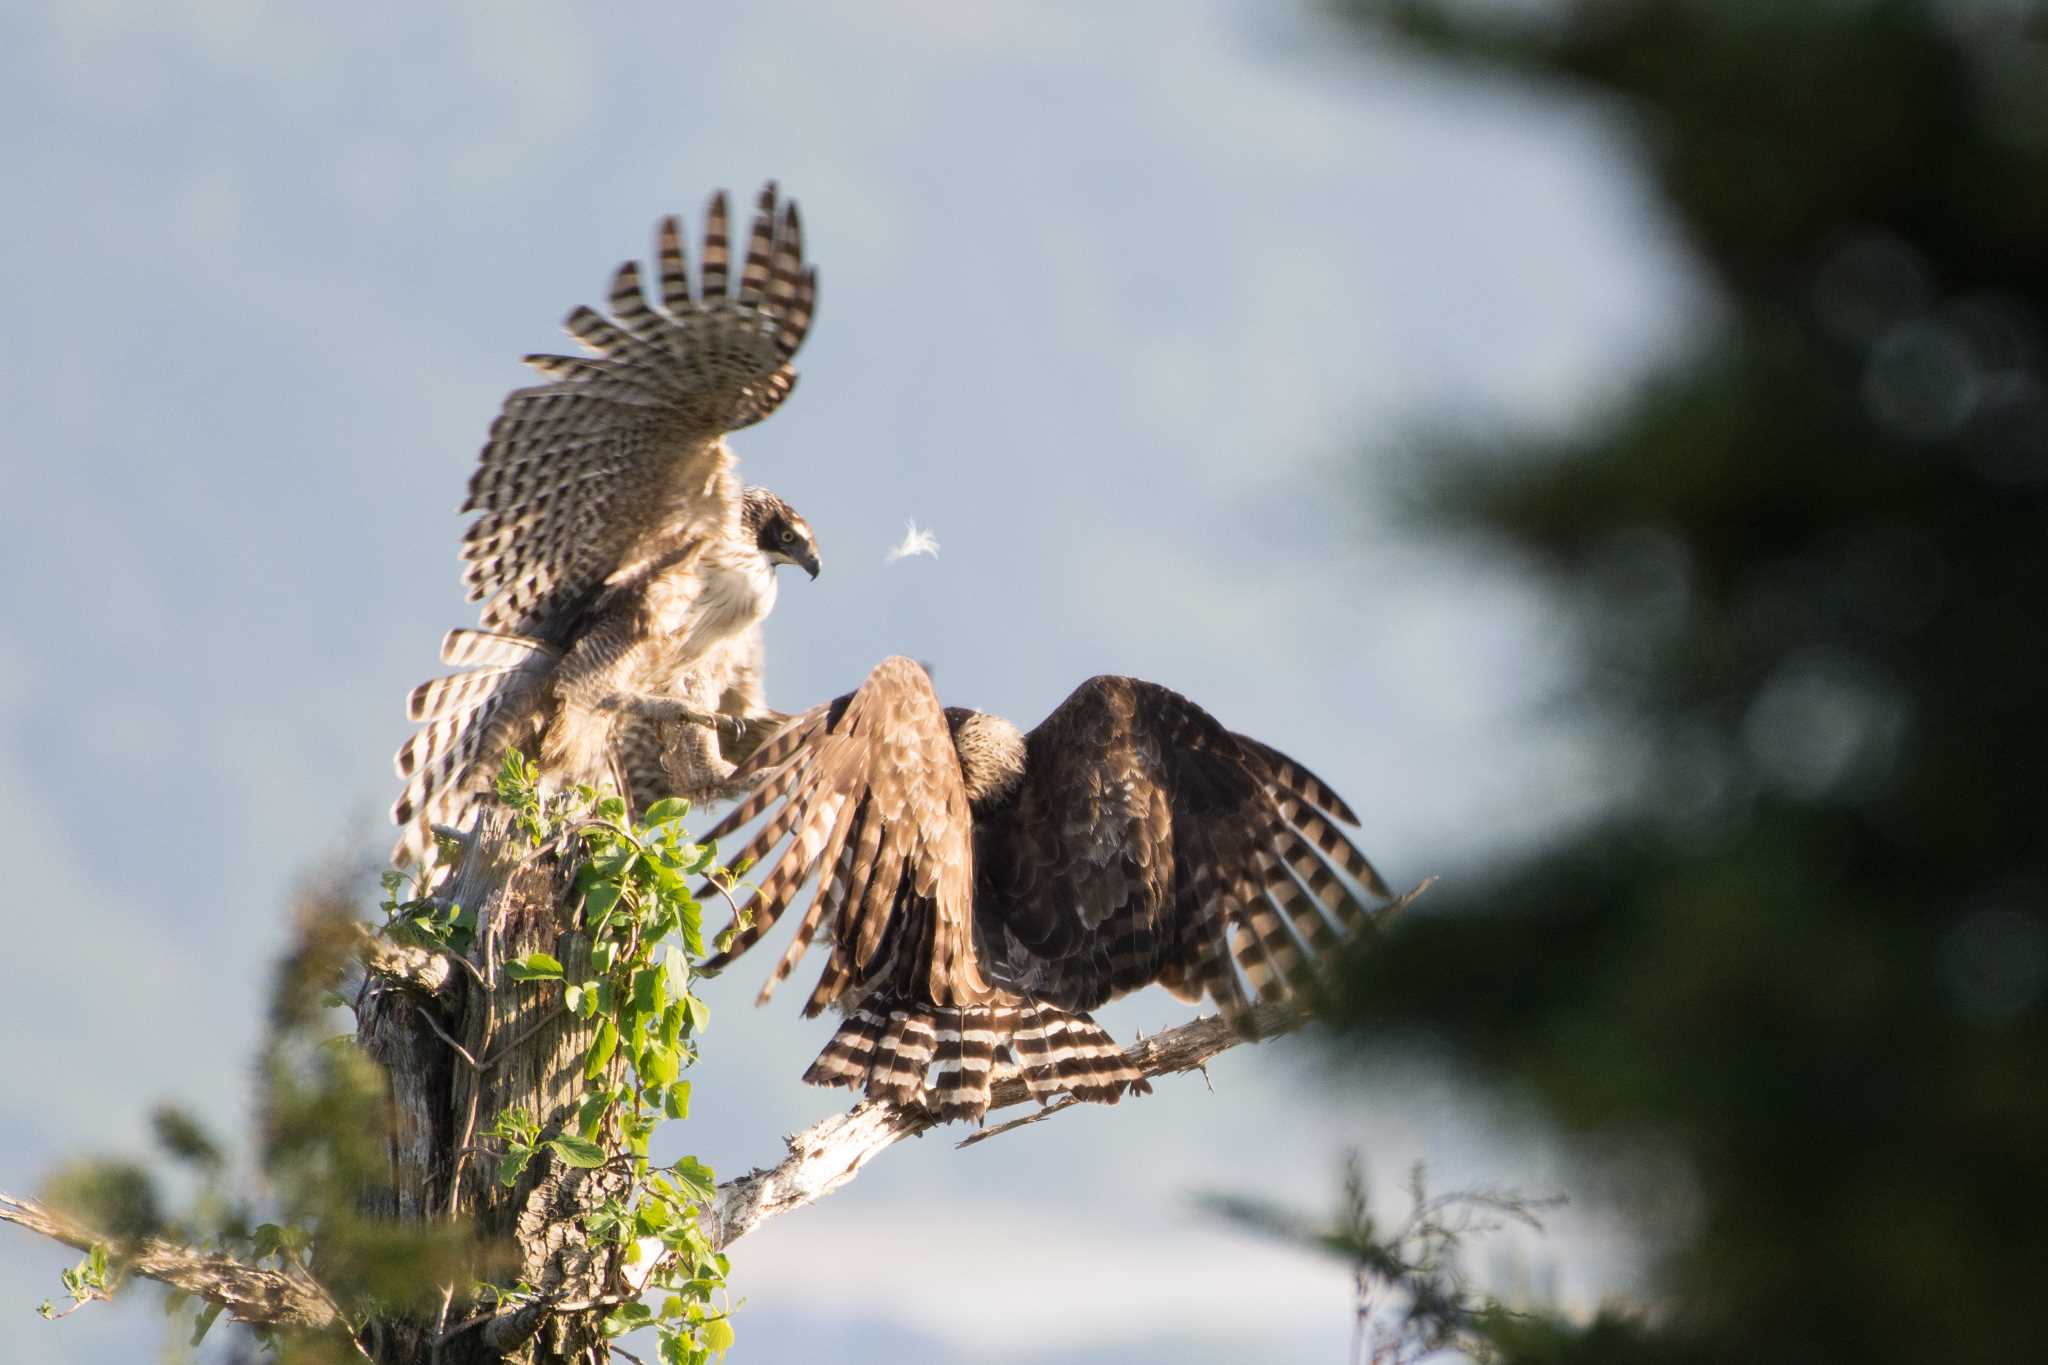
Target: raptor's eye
{"type": "Point", "coordinates": [788, 536]}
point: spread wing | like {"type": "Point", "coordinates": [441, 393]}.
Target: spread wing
{"type": "Point", "coordinates": [594, 476]}
{"type": "Point", "coordinates": [1148, 843]}
{"type": "Point", "coordinates": [867, 790]}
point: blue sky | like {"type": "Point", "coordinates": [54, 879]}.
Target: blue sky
{"type": "Point", "coordinates": [1140, 307]}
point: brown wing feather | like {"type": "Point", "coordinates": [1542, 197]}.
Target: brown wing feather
{"type": "Point", "coordinates": [868, 792]}
{"type": "Point", "coordinates": [1148, 843]}
{"type": "Point", "coordinates": [621, 453]}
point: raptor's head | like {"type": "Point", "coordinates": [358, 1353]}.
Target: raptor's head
{"type": "Point", "coordinates": [781, 533]}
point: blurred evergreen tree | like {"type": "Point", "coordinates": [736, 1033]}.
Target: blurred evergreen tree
{"type": "Point", "coordinates": [1805, 963]}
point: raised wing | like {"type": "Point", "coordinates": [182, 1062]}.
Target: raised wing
{"type": "Point", "coordinates": [598, 474]}
{"type": "Point", "coordinates": [1148, 843]}
{"type": "Point", "coordinates": [867, 791]}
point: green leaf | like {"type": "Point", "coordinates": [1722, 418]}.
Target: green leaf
{"type": "Point", "coordinates": [696, 1178]}
{"type": "Point", "coordinates": [204, 1323]}
{"type": "Point", "coordinates": [577, 1151]}
{"type": "Point", "coordinates": [669, 880]}
{"type": "Point", "coordinates": [598, 902]}
{"type": "Point", "coordinates": [638, 1130]}
{"type": "Point", "coordinates": [647, 990]}
{"type": "Point", "coordinates": [534, 967]}
{"type": "Point", "coordinates": [662, 922]}
{"type": "Point", "coordinates": [665, 810]}
{"type": "Point", "coordinates": [693, 928]}
{"type": "Point", "coordinates": [513, 1164]}
{"type": "Point", "coordinates": [676, 1103]}
{"type": "Point", "coordinates": [700, 1013]}
{"type": "Point", "coordinates": [716, 1336]}
{"type": "Point", "coordinates": [590, 1114]}
{"type": "Point", "coordinates": [572, 997]}
{"type": "Point", "coordinates": [659, 1065]}
{"type": "Point", "coordinates": [676, 968]}
{"type": "Point", "coordinates": [601, 1049]}
{"type": "Point", "coordinates": [613, 866]}
{"type": "Point", "coordinates": [627, 1317]}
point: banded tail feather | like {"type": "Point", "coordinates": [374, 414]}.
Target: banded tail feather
{"type": "Point", "coordinates": [491, 649]}
{"type": "Point", "coordinates": [886, 1050]}
{"type": "Point", "coordinates": [469, 719]}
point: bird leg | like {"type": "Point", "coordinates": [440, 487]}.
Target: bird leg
{"type": "Point", "coordinates": [749, 733]}
{"type": "Point", "coordinates": [647, 706]}
{"type": "Point", "coordinates": [746, 733]}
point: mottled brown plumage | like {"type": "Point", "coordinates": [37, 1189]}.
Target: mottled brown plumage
{"type": "Point", "coordinates": [624, 571]}
{"type": "Point", "coordinates": [981, 890]}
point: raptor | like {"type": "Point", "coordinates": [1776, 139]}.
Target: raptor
{"type": "Point", "coordinates": [623, 568]}
{"type": "Point", "coordinates": [980, 889]}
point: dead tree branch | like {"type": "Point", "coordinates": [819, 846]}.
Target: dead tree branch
{"type": "Point", "coordinates": [831, 1152]}
{"type": "Point", "coordinates": [271, 1298]}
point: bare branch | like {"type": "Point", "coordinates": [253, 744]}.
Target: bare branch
{"type": "Point", "coordinates": [831, 1152]}
{"type": "Point", "coordinates": [271, 1298]}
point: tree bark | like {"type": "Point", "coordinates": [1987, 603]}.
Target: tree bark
{"type": "Point", "coordinates": [458, 1056]}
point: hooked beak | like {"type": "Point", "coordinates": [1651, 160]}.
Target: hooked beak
{"type": "Point", "coordinates": [810, 565]}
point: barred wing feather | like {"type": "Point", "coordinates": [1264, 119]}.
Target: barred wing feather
{"type": "Point", "coordinates": [620, 454]}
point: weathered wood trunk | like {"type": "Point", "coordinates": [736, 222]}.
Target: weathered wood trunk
{"type": "Point", "coordinates": [523, 1051]}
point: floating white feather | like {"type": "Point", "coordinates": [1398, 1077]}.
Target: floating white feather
{"type": "Point", "coordinates": [914, 542]}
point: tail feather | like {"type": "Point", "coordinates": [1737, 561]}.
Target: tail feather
{"type": "Point", "coordinates": [491, 648]}
{"type": "Point", "coordinates": [452, 695]}
{"type": "Point", "coordinates": [885, 1050]}
{"type": "Point", "coordinates": [902, 1058]}
{"type": "Point", "coordinates": [468, 721]}
{"type": "Point", "coordinates": [967, 1057]}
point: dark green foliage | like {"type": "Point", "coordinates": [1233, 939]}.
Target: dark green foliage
{"type": "Point", "coordinates": [1805, 963]}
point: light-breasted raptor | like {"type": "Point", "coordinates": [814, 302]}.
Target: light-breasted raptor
{"type": "Point", "coordinates": [623, 569]}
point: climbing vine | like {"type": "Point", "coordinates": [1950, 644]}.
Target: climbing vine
{"type": "Point", "coordinates": [644, 924]}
